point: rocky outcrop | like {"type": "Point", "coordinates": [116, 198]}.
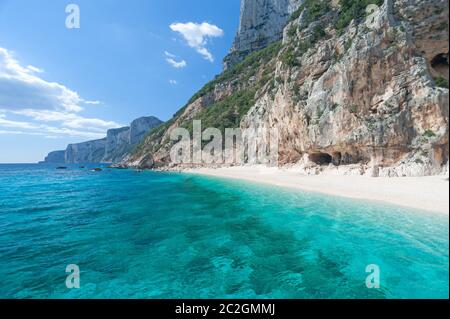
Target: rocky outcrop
{"type": "Point", "coordinates": [56, 157]}
{"type": "Point", "coordinates": [355, 89]}
{"type": "Point", "coordinates": [119, 142]}
{"type": "Point", "coordinates": [112, 149]}
{"type": "Point", "coordinates": [117, 145]}
{"type": "Point", "coordinates": [87, 152]}
{"type": "Point", "coordinates": [367, 97]}
{"type": "Point", "coordinates": [261, 23]}
{"type": "Point", "coordinates": [140, 127]}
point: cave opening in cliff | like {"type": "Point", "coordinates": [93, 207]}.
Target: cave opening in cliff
{"type": "Point", "coordinates": [337, 158]}
{"type": "Point", "coordinates": [321, 158]}
{"type": "Point", "coordinates": [440, 64]}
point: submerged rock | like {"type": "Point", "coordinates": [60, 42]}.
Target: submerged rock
{"type": "Point", "coordinates": [118, 166]}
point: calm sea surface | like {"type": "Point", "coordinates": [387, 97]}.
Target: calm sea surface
{"type": "Point", "coordinates": [168, 235]}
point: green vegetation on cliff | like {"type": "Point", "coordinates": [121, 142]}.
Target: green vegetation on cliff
{"type": "Point", "coordinates": [245, 69]}
{"type": "Point", "coordinates": [441, 82]}
{"type": "Point", "coordinates": [314, 10]}
{"type": "Point", "coordinates": [257, 71]}
{"type": "Point", "coordinates": [245, 79]}
{"type": "Point", "coordinates": [350, 10]}
{"type": "Point", "coordinates": [318, 87]}
{"type": "Point", "coordinates": [226, 113]}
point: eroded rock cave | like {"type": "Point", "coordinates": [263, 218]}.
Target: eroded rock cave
{"type": "Point", "coordinates": [440, 65]}
{"type": "Point", "coordinates": [336, 158]}
{"type": "Point", "coordinates": [321, 158]}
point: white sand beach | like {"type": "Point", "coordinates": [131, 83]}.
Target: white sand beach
{"type": "Point", "coordinates": [425, 193]}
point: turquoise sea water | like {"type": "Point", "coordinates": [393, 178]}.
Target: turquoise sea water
{"type": "Point", "coordinates": [168, 235]}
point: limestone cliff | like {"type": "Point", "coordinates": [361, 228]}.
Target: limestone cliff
{"type": "Point", "coordinates": [56, 157]}
{"type": "Point", "coordinates": [119, 142]}
{"type": "Point", "coordinates": [357, 87]}
{"type": "Point", "coordinates": [261, 23]}
{"type": "Point", "coordinates": [87, 152]}
{"type": "Point", "coordinates": [140, 127]}
{"type": "Point", "coordinates": [112, 149]}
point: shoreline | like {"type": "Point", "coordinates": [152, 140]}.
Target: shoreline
{"type": "Point", "coordinates": [430, 193]}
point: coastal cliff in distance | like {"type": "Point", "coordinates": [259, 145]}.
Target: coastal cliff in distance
{"type": "Point", "coordinates": [356, 89]}
{"type": "Point", "coordinates": [120, 142]}
{"type": "Point", "coordinates": [111, 149]}
{"type": "Point", "coordinates": [86, 152]}
{"type": "Point", "coordinates": [56, 157]}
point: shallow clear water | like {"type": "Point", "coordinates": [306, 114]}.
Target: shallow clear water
{"type": "Point", "coordinates": [167, 235]}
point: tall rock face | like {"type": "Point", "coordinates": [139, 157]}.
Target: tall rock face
{"type": "Point", "coordinates": [112, 149]}
{"type": "Point", "coordinates": [261, 23]}
{"type": "Point", "coordinates": [87, 152]}
{"type": "Point", "coordinates": [140, 127]}
{"type": "Point", "coordinates": [56, 157]}
{"type": "Point", "coordinates": [117, 144]}
{"type": "Point", "coordinates": [365, 92]}
{"type": "Point", "coordinates": [350, 88]}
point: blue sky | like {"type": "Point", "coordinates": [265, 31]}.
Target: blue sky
{"type": "Point", "coordinates": [127, 60]}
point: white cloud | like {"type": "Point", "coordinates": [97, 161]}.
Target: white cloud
{"type": "Point", "coordinates": [170, 55]}
{"type": "Point", "coordinates": [170, 58]}
{"type": "Point", "coordinates": [73, 133]}
{"type": "Point", "coordinates": [21, 88]}
{"type": "Point", "coordinates": [54, 132]}
{"type": "Point", "coordinates": [35, 69]}
{"type": "Point", "coordinates": [15, 124]}
{"type": "Point", "coordinates": [29, 103]}
{"type": "Point", "coordinates": [92, 102]}
{"type": "Point", "coordinates": [177, 65]}
{"type": "Point", "coordinates": [3, 132]}
{"type": "Point", "coordinates": [173, 82]}
{"type": "Point", "coordinates": [69, 120]}
{"type": "Point", "coordinates": [197, 35]}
